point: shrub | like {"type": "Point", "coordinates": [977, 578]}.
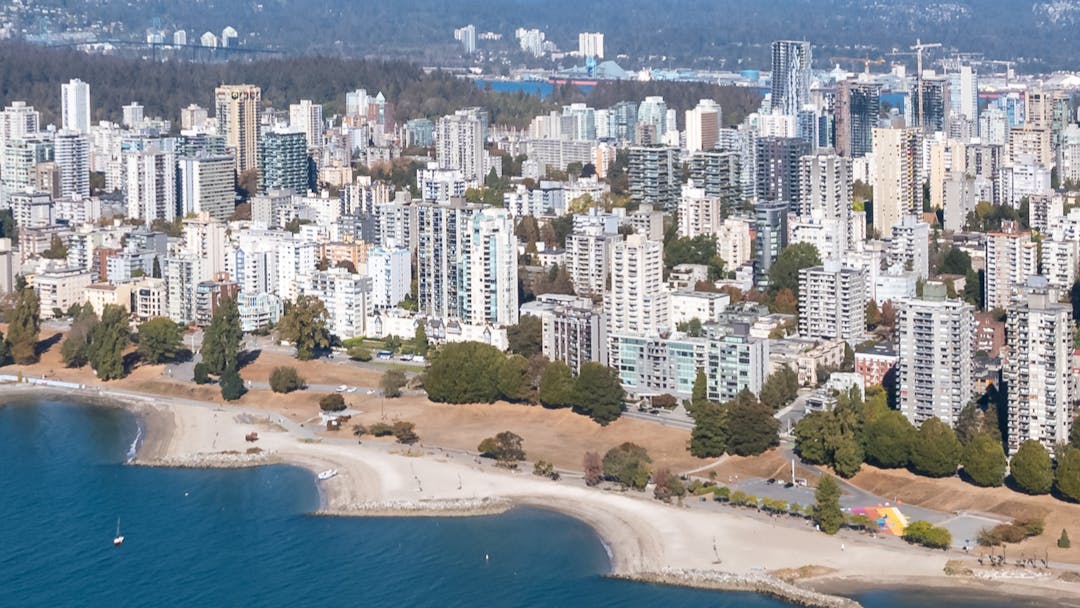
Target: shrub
{"type": "Point", "coordinates": [392, 382]}
{"type": "Point", "coordinates": [202, 375]}
{"type": "Point", "coordinates": [1063, 540]}
{"type": "Point", "coordinates": [860, 522]}
{"type": "Point", "coordinates": [1013, 532]}
{"type": "Point", "coordinates": [405, 432]}
{"type": "Point", "coordinates": [667, 486]}
{"type": "Point", "coordinates": [593, 468]}
{"type": "Point", "coordinates": [722, 493]}
{"type": "Point", "coordinates": [543, 468]}
{"type": "Point", "coordinates": [359, 352]}
{"type": "Point", "coordinates": [628, 465]}
{"type": "Point", "coordinates": [359, 430]}
{"type": "Point", "coordinates": [928, 535]}
{"type": "Point", "coordinates": [333, 402]}
{"type": "Point", "coordinates": [285, 379]}
{"type": "Point", "coordinates": [506, 448]}
{"type": "Point", "coordinates": [381, 429]}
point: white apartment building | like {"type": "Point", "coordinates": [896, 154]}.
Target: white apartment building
{"type": "Point", "coordinates": [588, 257]}
{"type": "Point", "coordinates": [703, 125]}
{"type": "Point", "coordinates": [909, 247]}
{"type": "Point", "coordinates": [1060, 257]}
{"type": "Point", "coordinates": [75, 106]}
{"type": "Point", "coordinates": [459, 144]}
{"type": "Point", "coordinates": [150, 185]}
{"type": "Point", "coordinates": [1038, 368]}
{"type": "Point", "coordinates": [832, 302]}
{"type": "Point", "coordinates": [699, 214]}
{"type": "Point", "coordinates": [391, 273]}
{"type": "Point", "coordinates": [71, 151]}
{"type": "Point", "coordinates": [897, 189]}
{"type": "Point", "coordinates": [206, 185]}
{"type": "Point", "coordinates": [1011, 257]}
{"type": "Point", "coordinates": [638, 302]}
{"type": "Point", "coordinates": [58, 289]}
{"type": "Point", "coordinates": [308, 117]}
{"type": "Point", "coordinates": [346, 297]}
{"type": "Point", "coordinates": [935, 348]}
{"type": "Point", "coordinates": [733, 243]}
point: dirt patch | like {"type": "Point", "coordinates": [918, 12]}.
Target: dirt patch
{"type": "Point", "coordinates": [770, 465]}
{"type": "Point", "coordinates": [790, 575]}
{"type": "Point", "coordinates": [314, 372]}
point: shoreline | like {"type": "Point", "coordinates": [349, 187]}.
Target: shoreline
{"type": "Point", "coordinates": [646, 540]}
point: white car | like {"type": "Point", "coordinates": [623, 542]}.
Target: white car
{"type": "Point", "coordinates": [342, 388]}
{"type": "Point", "coordinates": [352, 389]}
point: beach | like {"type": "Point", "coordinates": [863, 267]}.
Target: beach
{"type": "Point", "coordinates": [648, 540]}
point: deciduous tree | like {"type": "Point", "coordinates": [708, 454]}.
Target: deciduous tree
{"type": "Point", "coordinates": [285, 379]}
{"type": "Point", "coordinates": [628, 465]}
{"type": "Point", "coordinates": [392, 382]}
{"type": "Point", "coordinates": [505, 447]}
{"type": "Point", "coordinates": [305, 325]}
{"type": "Point", "coordinates": [784, 273]}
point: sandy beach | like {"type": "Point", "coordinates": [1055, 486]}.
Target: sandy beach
{"type": "Point", "coordinates": [648, 540]}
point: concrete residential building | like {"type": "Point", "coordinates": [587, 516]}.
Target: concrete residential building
{"type": "Point", "coordinates": [467, 264]}
{"type": "Point", "coordinates": [1060, 257]}
{"type": "Point", "coordinates": [832, 302]}
{"type": "Point", "coordinates": [18, 120]}
{"type": "Point", "coordinates": [72, 157]}
{"type": "Point", "coordinates": [935, 346]}
{"type": "Point", "coordinates": [459, 144]}
{"type": "Point", "coordinates": [346, 296]}
{"type": "Point", "coordinates": [206, 185]}
{"type": "Point", "coordinates": [699, 214]}
{"type": "Point", "coordinates": [588, 256]}
{"type": "Point", "coordinates": [574, 331]}
{"type": "Point", "coordinates": [182, 274]}
{"type": "Point", "coordinates": [733, 243]}
{"type": "Point", "coordinates": [591, 44]}
{"type": "Point", "coordinates": [703, 124]}
{"type": "Point", "coordinates": [150, 185]}
{"type": "Point", "coordinates": [307, 118]}
{"type": "Point", "coordinates": [1011, 257]}
{"type": "Point", "coordinates": [75, 106]}
{"type": "Point", "coordinates": [237, 110]}
{"type": "Point", "coordinates": [778, 168]}
{"type": "Point", "coordinates": [909, 247]}
{"type": "Point", "coordinates": [638, 302]}
{"type": "Point", "coordinates": [770, 236]}
{"type": "Point", "coordinates": [897, 188]}
{"type": "Point", "coordinates": [58, 289]}
{"type": "Point", "coordinates": [1038, 368]}
{"type": "Point", "coordinates": [718, 173]}
{"type": "Point", "coordinates": [858, 106]}
{"type": "Point", "coordinates": [391, 273]}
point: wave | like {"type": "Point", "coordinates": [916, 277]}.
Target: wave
{"type": "Point", "coordinates": [133, 448]}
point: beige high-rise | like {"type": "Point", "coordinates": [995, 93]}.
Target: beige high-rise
{"type": "Point", "coordinates": [237, 111]}
{"type": "Point", "coordinates": [897, 191]}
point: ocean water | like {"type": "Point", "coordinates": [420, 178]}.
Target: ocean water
{"type": "Point", "coordinates": [244, 537]}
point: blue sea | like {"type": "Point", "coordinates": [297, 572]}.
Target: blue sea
{"type": "Point", "coordinates": [245, 537]}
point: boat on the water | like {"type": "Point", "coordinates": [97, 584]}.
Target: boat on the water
{"type": "Point", "coordinates": [119, 538]}
{"type": "Point", "coordinates": [327, 474]}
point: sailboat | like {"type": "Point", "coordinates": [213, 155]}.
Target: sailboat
{"type": "Point", "coordinates": [119, 540]}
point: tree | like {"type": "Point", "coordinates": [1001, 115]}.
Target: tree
{"type": "Point", "coordinates": [873, 316]}
{"type": "Point", "coordinates": [888, 314]}
{"type": "Point", "coordinates": [221, 341]}
{"type": "Point", "coordinates": [969, 423]}
{"type": "Point", "coordinates": [56, 251]}
{"type": "Point", "coordinates": [780, 388]}
{"type": "Point", "coordinates": [160, 339]}
{"type": "Point", "coordinates": [827, 514]}
{"type": "Point", "coordinates": [392, 382]}
{"type": "Point", "coordinates": [464, 372]}
{"type": "Point", "coordinates": [956, 261]}
{"type": "Point", "coordinates": [75, 350]}
{"type": "Point", "coordinates": [888, 440]}
{"type": "Point", "coordinates": [557, 385]}
{"type": "Point", "coordinates": [784, 273]}
{"type": "Point", "coordinates": [1031, 469]}
{"type": "Point", "coordinates": [506, 448]}
{"type": "Point", "coordinates": [525, 338]}
{"type": "Point", "coordinates": [5, 350]}
{"type": "Point", "coordinates": [332, 402]}
{"type": "Point", "coordinates": [25, 326]}
{"type": "Point", "coordinates": [667, 486]}
{"type": "Point", "coordinates": [593, 468]}
{"type": "Point", "coordinates": [700, 392]}
{"type": "Point", "coordinates": [628, 465]}
{"type": "Point", "coordinates": [232, 385]}
{"type": "Point", "coordinates": [598, 393]}
{"type": "Point", "coordinates": [1067, 475]}
{"type": "Point", "coordinates": [709, 438]}
{"type": "Point", "coordinates": [420, 340]}
{"type": "Point", "coordinates": [935, 452]}
{"type": "Point", "coordinates": [512, 380]}
{"type": "Point", "coordinates": [305, 325]}
{"type": "Point", "coordinates": [108, 339]}
{"type": "Point", "coordinates": [1063, 540]}
{"type": "Point", "coordinates": [847, 456]}
{"type": "Point", "coordinates": [752, 429]}
{"type": "Point", "coordinates": [201, 375]}
{"type": "Point", "coordinates": [814, 435]}
{"type": "Point", "coordinates": [983, 460]}
{"type": "Point", "coordinates": [286, 380]}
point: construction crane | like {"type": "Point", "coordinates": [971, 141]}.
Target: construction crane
{"type": "Point", "coordinates": [866, 61]}
{"type": "Point", "coordinates": [1008, 68]}
{"type": "Point", "coordinates": [919, 47]}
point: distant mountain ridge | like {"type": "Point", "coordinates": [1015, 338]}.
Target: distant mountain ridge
{"type": "Point", "coordinates": [1039, 35]}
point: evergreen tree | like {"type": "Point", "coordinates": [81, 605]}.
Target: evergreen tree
{"type": "Point", "coordinates": [305, 325]}
{"type": "Point", "coordinates": [1063, 540]}
{"type": "Point", "coordinates": [700, 391]}
{"type": "Point", "coordinates": [232, 385]}
{"type": "Point", "coordinates": [5, 350]}
{"type": "Point", "coordinates": [709, 439]}
{"type": "Point", "coordinates": [752, 429]}
{"type": "Point", "coordinates": [847, 457]}
{"type": "Point", "coordinates": [935, 452]}
{"type": "Point", "coordinates": [108, 339]}
{"type": "Point", "coordinates": [1067, 475]}
{"type": "Point", "coordinates": [813, 436]}
{"type": "Point", "coordinates": [420, 340]}
{"type": "Point", "coordinates": [827, 514]}
{"type": "Point", "coordinates": [888, 440]}
{"type": "Point", "coordinates": [557, 385]}
{"type": "Point", "coordinates": [221, 341]}
{"type": "Point", "coordinates": [598, 393]}
{"type": "Point", "coordinates": [984, 461]}
{"type": "Point", "coordinates": [160, 340]}
{"type": "Point", "coordinates": [1031, 469]}
{"type": "Point", "coordinates": [784, 272]}
{"type": "Point", "coordinates": [25, 326]}
{"type": "Point", "coordinates": [156, 270]}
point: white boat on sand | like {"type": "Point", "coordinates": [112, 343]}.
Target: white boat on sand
{"type": "Point", "coordinates": [327, 474]}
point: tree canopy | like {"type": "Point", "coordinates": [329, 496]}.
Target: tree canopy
{"type": "Point", "coordinates": [826, 513]}
{"type": "Point", "coordinates": [598, 393]}
{"type": "Point", "coordinates": [25, 326]}
{"type": "Point", "coordinates": [305, 325]}
{"type": "Point", "coordinates": [1031, 468]}
{"type": "Point", "coordinates": [505, 447]}
{"type": "Point", "coordinates": [628, 465]}
{"type": "Point", "coordinates": [557, 385]}
{"type": "Point", "coordinates": [160, 340]}
{"type": "Point", "coordinates": [983, 460]}
{"type": "Point", "coordinates": [221, 340]}
{"type": "Point", "coordinates": [525, 338]}
{"type": "Point", "coordinates": [108, 339]}
{"type": "Point", "coordinates": [936, 450]}
{"type": "Point", "coordinates": [784, 272]}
